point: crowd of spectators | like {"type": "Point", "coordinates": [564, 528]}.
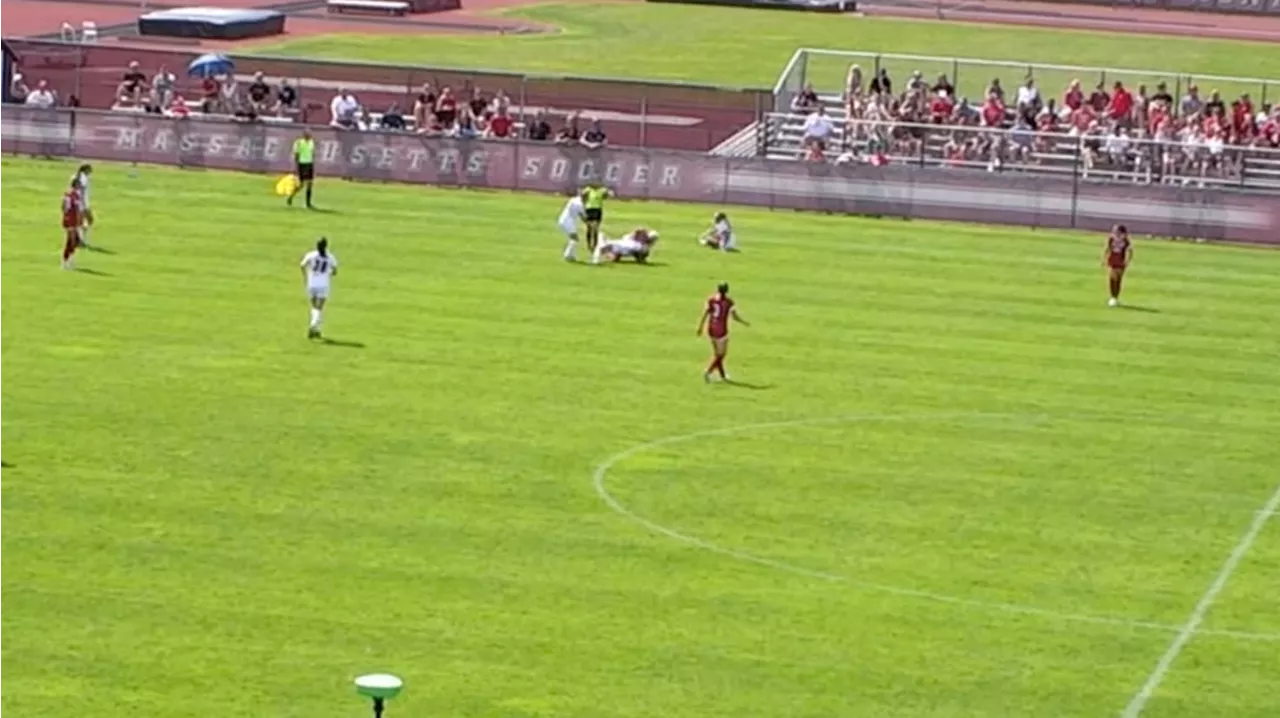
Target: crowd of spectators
{"type": "Point", "coordinates": [42, 96]}
{"type": "Point", "coordinates": [442, 113]}
{"type": "Point", "coordinates": [1116, 128]}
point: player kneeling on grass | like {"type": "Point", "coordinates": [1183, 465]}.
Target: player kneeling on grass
{"type": "Point", "coordinates": [720, 235]}
{"type": "Point", "coordinates": [637, 245]}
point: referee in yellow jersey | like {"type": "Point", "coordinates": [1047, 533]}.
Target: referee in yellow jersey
{"type": "Point", "coordinates": [304, 156]}
{"type": "Point", "coordinates": [593, 198]}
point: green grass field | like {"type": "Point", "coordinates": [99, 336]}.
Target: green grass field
{"type": "Point", "coordinates": [956, 485]}
{"type": "Point", "coordinates": [744, 47]}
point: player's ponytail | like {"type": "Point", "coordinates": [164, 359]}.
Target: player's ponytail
{"type": "Point", "coordinates": [323, 247]}
{"type": "Point", "coordinates": [722, 289]}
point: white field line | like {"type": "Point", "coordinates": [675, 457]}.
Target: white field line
{"type": "Point", "coordinates": [600, 482]}
{"type": "Point", "coordinates": [1189, 629]}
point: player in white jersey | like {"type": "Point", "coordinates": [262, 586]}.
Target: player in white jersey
{"type": "Point", "coordinates": [720, 236]}
{"type": "Point", "coordinates": [637, 245]}
{"type": "Point", "coordinates": [573, 212]}
{"type": "Point", "coordinates": [82, 181]}
{"type": "Point", "coordinates": [319, 267]}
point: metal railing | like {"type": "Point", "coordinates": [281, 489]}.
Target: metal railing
{"type": "Point", "coordinates": [1090, 157]}
{"type": "Point", "coordinates": [827, 71]}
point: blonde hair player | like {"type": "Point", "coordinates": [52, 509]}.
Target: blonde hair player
{"type": "Point", "coordinates": [319, 267]}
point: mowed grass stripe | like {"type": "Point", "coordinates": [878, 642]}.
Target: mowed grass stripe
{"type": "Point", "coordinates": [201, 498]}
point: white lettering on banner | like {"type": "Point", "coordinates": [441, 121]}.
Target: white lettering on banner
{"type": "Point", "coordinates": [128, 138]}
{"type": "Point", "coordinates": [329, 152]}
{"type": "Point", "coordinates": [416, 158]}
{"type": "Point", "coordinates": [160, 143]}
{"type": "Point", "coordinates": [615, 173]}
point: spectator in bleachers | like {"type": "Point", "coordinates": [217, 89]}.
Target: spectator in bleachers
{"type": "Point", "coordinates": [18, 90]}
{"type": "Point", "coordinates": [881, 84]}
{"type": "Point", "coordinates": [1215, 106]}
{"type": "Point", "coordinates": [478, 103]}
{"type": "Point", "coordinates": [229, 94]}
{"type": "Point", "coordinates": [996, 89]}
{"type": "Point", "coordinates": [42, 97]}
{"type": "Point", "coordinates": [853, 83]}
{"type": "Point", "coordinates": [286, 99]}
{"type": "Point", "coordinates": [242, 108]}
{"type": "Point", "coordinates": [163, 83]}
{"type": "Point", "coordinates": [500, 125]}
{"type": "Point", "coordinates": [177, 108]}
{"type": "Point", "coordinates": [818, 130]}
{"type": "Point", "coordinates": [806, 100]}
{"type": "Point", "coordinates": [916, 83]}
{"type": "Point", "coordinates": [1269, 132]}
{"type": "Point", "coordinates": [1191, 103]}
{"type": "Point", "coordinates": [344, 110]}
{"type": "Point", "coordinates": [365, 121]}
{"type": "Point", "coordinates": [1138, 116]}
{"type": "Point", "coordinates": [1099, 100]}
{"type": "Point", "coordinates": [941, 107]}
{"type": "Point", "coordinates": [965, 113]}
{"type": "Point", "coordinates": [464, 128]}
{"type": "Point", "coordinates": [1073, 98]}
{"type": "Point", "coordinates": [151, 103]}
{"type": "Point", "coordinates": [1162, 95]}
{"type": "Point", "coordinates": [569, 134]}
{"type": "Point", "coordinates": [944, 85]}
{"type": "Point", "coordinates": [594, 138]}
{"type": "Point", "coordinates": [424, 106]}
{"type": "Point", "coordinates": [501, 102]}
{"type": "Point", "coordinates": [393, 120]}
{"type": "Point", "coordinates": [132, 85]}
{"type": "Point", "coordinates": [1029, 102]}
{"type": "Point", "coordinates": [993, 111]}
{"type": "Point", "coordinates": [1121, 106]}
{"type": "Point", "coordinates": [259, 93]}
{"type": "Point", "coordinates": [1021, 139]}
{"type": "Point", "coordinates": [538, 130]}
{"type": "Point", "coordinates": [209, 90]}
{"type": "Point", "coordinates": [446, 108]}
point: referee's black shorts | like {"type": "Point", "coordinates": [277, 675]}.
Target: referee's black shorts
{"type": "Point", "coordinates": [306, 172]}
{"type": "Point", "coordinates": [595, 214]}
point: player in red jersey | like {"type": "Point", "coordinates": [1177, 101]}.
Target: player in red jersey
{"type": "Point", "coordinates": [1117, 253]}
{"type": "Point", "coordinates": [715, 319]}
{"type": "Point", "coordinates": [72, 220]}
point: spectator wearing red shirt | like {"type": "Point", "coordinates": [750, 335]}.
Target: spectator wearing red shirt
{"type": "Point", "coordinates": [1073, 98]}
{"type": "Point", "coordinates": [940, 107]}
{"type": "Point", "coordinates": [178, 108]}
{"type": "Point", "coordinates": [1121, 106]}
{"type": "Point", "coordinates": [1099, 99]}
{"type": "Point", "coordinates": [500, 125]}
{"type": "Point", "coordinates": [993, 112]}
{"type": "Point", "coordinates": [1270, 130]}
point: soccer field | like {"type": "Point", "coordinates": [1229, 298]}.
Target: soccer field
{"type": "Point", "coordinates": [951, 483]}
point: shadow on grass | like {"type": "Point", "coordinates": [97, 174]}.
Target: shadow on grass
{"type": "Point", "coordinates": [342, 343]}
{"type": "Point", "coordinates": [747, 385]}
{"type": "Point", "coordinates": [1140, 308]}
{"type": "Point", "coordinates": [96, 248]}
{"type": "Point", "coordinates": [92, 272]}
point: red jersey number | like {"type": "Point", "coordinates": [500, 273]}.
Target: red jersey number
{"type": "Point", "coordinates": [718, 309]}
{"type": "Point", "coordinates": [70, 210]}
{"type": "Point", "coordinates": [1117, 251]}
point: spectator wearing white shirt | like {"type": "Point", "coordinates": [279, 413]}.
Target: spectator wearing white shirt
{"type": "Point", "coordinates": [344, 110]}
{"type": "Point", "coordinates": [163, 84]}
{"type": "Point", "coordinates": [818, 130]}
{"type": "Point", "coordinates": [1029, 100]}
{"type": "Point", "coordinates": [18, 89]}
{"type": "Point", "coordinates": [1117, 146]}
{"type": "Point", "coordinates": [41, 97]}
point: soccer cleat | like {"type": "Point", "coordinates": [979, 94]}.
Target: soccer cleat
{"type": "Point", "coordinates": [1113, 302]}
{"type": "Point", "coordinates": [313, 333]}
{"type": "Point", "coordinates": [707, 377]}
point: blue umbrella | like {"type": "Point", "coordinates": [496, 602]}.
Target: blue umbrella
{"type": "Point", "coordinates": [210, 65]}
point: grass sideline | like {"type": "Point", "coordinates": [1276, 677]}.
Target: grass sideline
{"type": "Point", "coordinates": [750, 47]}
{"type": "Point", "coordinates": [207, 515]}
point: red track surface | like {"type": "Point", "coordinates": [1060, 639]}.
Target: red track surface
{"type": "Point", "coordinates": [713, 121]}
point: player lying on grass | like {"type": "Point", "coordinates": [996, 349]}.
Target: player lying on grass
{"type": "Point", "coordinates": [720, 235]}
{"type": "Point", "coordinates": [637, 245]}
